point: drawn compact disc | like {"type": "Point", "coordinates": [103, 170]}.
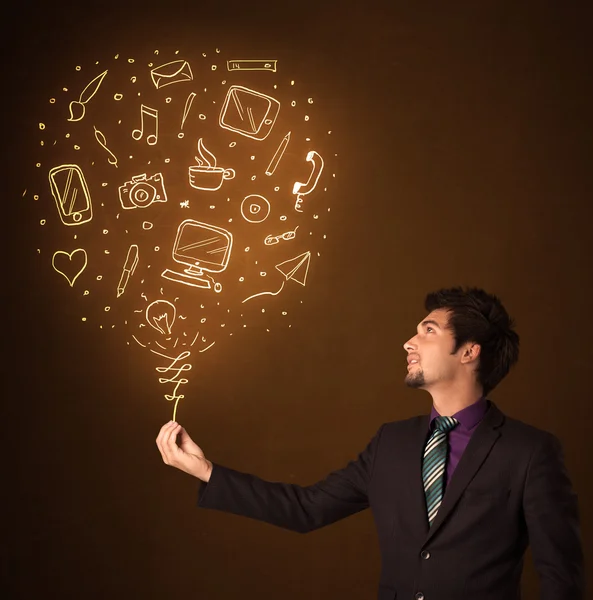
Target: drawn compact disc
{"type": "Point", "coordinates": [255, 208]}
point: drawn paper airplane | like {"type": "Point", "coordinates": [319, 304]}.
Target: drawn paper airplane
{"type": "Point", "coordinates": [296, 268]}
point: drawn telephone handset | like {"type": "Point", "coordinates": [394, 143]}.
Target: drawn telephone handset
{"type": "Point", "coordinates": [302, 189]}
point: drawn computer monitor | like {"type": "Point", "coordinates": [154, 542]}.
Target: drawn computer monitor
{"type": "Point", "coordinates": [200, 248]}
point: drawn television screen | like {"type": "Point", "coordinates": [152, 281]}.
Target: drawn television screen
{"type": "Point", "coordinates": [248, 112]}
{"type": "Point", "coordinates": [203, 246]}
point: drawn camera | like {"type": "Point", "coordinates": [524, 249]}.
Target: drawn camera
{"type": "Point", "coordinates": [142, 191]}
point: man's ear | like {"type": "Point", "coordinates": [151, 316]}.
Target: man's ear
{"type": "Point", "coordinates": [471, 352]}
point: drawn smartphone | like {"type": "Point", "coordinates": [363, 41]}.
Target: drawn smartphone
{"type": "Point", "coordinates": [71, 193]}
{"type": "Point", "coordinates": [248, 112]}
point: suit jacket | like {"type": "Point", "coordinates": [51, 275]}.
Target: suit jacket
{"type": "Point", "coordinates": [510, 489]}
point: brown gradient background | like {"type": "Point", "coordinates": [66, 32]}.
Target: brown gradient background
{"type": "Point", "coordinates": [464, 135]}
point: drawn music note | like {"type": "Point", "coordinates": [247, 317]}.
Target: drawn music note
{"type": "Point", "coordinates": [103, 142]}
{"type": "Point", "coordinates": [152, 120]}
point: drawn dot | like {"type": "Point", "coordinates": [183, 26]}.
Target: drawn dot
{"type": "Point", "coordinates": [52, 100]}
{"type": "Point", "coordinates": [203, 320]}
{"type": "Point", "coordinates": [99, 277]}
{"type": "Point", "coordinates": [106, 251]}
{"type": "Point", "coordinates": [107, 308]}
{"type": "Point", "coordinates": [231, 145]}
{"type": "Point", "coordinates": [76, 147]}
{"type": "Point", "coordinates": [284, 313]}
{"type": "Point", "coordinates": [150, 64]}
{"type": "Point", "coordinates": [310, 100]}
{"type": "Point", "coordinates": [241, 278]}
{"type": "Point", "coordinates": [283, 218]}
{"type": "Point", "coordinates": [325, 237]}
{"type": "Point", "coordinates": [217, 51]}
{"type": "Point", "coordinates": [202, 116]}
{"type": "Point", "coordinates": [167, 160]}
{"type": "Point", "coordinates": [292, 82]}
{"type": "Point", "coordinates": [329, 132]}
{"type": "Point", "coordinates": [67, 135]}
{"type": "Point", "coordinates": [262, 273]}
{"type": "Point", "coordinates": [316, 216]}
{"type": "Point", "coordinates": [212, 206]}
{"type": "Point", "coordinates": [293, 103]}
{"type": "Point", "coordinates": [138, 93]}
{"type": "Point", "coordinates": [86, 293]}
{"type": "Point", "coordinates": [214, 67]}
{"type": "Point", "coordinates": [105, 231]}
{"type": "Point", "coordinates": [41, 125]}
{"type": "Point", "coordinates": [130, 60]}
{"type": "Point", "coordinates": [247, 249]}
{"type": "Point", "coordinates": [263, 310]}
{"type": "Point", "coordinates": [84, 318]}
{"type": "Point", "coordinates": [275, 86]}
{"type": "Point", "coordinates": [168, 100]}
{"type": "Point", "coordinates": [119, 122]}
{"type": "Point", "coordinates": [276, 188]}
{"type": "Point", "coordinates": [64, 89]}
{"type": "Point", "coordinates": [104, 184]}
{"type": "Point", "coordinates": [157, 248]}
{"type": "Point", "coordinates": [253, 158]}
{"type": "Point", "coordinates": [180, 135]}
{"type": "Point", "coordinates": [306, 117]}
{"type": "Point", "coordinates": [253, 177]}
{"type": "Point", "coordinates": [36, 197]}
{"type": "Point", "coordinates": [42, 222]}
{"type": "Point", "coordinates": [42, 142]}
{"type": "Point", "coordinates": [133, 79]}
{"type": "Point", "coordinates": [116, 56]}
{"type": "Point", "coordinates": [156, 51]}
{"type": "Point", "coordinates": [118, 96]}
{"type": "Point", "coordinates": [223, 81]}
{"type": "Point", "coordinates": [78, 67]}
{"type": "Point", "coordinates": [38, 165]}
{"type": "Point", "coordinates": [307, 139]}
{"type": "Point", "coordinates": [230, 220]}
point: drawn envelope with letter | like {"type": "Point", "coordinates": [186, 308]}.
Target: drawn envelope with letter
{"type": "Point", "coordinates": [171, 72]}
{"type": "Point", "coordinates": [248, 112]}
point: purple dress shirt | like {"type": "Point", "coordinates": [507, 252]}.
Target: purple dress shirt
{"type": "Point", "coordinates": [469, 418]}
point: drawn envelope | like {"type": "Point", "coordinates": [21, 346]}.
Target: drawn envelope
{"type": "Point", "coordinates": [171, 72]}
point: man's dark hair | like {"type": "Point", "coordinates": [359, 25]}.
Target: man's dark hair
{"type": "Point", "coordinates": [479, 317]}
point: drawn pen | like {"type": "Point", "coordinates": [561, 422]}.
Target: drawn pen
{"type": "Point", "coordinates": [129, 267]}
{"type": "Point", "coordinates": [278, 155]}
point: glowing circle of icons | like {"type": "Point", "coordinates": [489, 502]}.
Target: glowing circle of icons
{"type": "Point", "coordinates": [255, 208]}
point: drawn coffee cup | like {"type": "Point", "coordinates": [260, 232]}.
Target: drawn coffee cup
{"type": "Point", "coordinates": [206, 175]}
{"type": "Point", "coordinates": [208, 178]}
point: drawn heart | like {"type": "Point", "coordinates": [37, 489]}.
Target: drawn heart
{"type": "Point", "coordinates": [73, 262]}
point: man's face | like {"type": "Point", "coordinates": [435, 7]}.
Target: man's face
{"type": "Point", "coordinates": [430, 360]}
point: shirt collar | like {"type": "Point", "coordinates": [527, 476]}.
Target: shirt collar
{"type": "Point", "coordinates": [468, 417]}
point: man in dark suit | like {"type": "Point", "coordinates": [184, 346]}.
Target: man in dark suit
{"type": "Point", "coordinates": [456, 495]}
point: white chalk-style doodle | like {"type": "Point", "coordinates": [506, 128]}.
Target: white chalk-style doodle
{"type": "Point", "coordinates": [296, 268]}
{"type": "Point", "coordinates": [176, 379]}
{"type": "Point", "coordinates": [202, 249]}
{"type": "Point", "coordinates": [302, 189]}
{"type": "Point", "coordinates": [142, 191]}
{"type": "Point", "coordinates": [274, 239]}
{"type": "Point", "coordinates": [255, 208]}
{"type": "Point", "coordinates": [251, 65]}
{"type": "Point", "coordinates": [206, 175]}
{"type": "Point", "coordinates": [175, 71]}
{"type": "Point", "coordinates": [100, 137]}
{"type": "Point", "coordinates": [278, 154]}
{"type": "Point", "coordinates": [71, 193]}
{"type": "Point", "coordinates": [160, 315]}
{"type": "Point", "coordinates": [186, 110]}
{"type": "Point", "coordinates": [77, 107]}
{"type": "Point", "coordinates": [265, 293]}
{"type": "Point", "coordinates": [149, 119]}
{"type": "Point", "coordinates": [248, 112]}
{"type": "Point", "coordinates": [70, 264]}
{"type": "Point", "coordinates": [128, 269]}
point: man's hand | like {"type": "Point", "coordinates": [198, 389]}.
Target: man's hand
{"type": "Point", "coordinates": [187, 456]}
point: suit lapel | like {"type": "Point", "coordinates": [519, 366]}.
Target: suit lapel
{"type": "Point", "coordinates": [474, 455]}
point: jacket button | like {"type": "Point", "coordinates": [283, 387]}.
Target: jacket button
{"type": "Point", "coordinates": [419, 596]}
{"type": "Point", "coordinates": [425, 554]}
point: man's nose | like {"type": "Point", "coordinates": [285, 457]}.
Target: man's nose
{"type": "Point", "coordinates": [409, 345]}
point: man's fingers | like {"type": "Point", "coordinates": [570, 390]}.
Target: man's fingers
{"type": "Point", "coordinates": [166, 440]}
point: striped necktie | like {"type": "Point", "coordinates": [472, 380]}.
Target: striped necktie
{"type": "Point", "coordinates": [433, 464]}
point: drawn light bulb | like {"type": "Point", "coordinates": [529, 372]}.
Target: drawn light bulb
{"type": "Point", "coordinates": [160, 315]}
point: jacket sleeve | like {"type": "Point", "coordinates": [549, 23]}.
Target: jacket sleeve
{"type": "Point", "coordinates": [341, 494]}
{"type": "Point", "coordinates": [552, 517]}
